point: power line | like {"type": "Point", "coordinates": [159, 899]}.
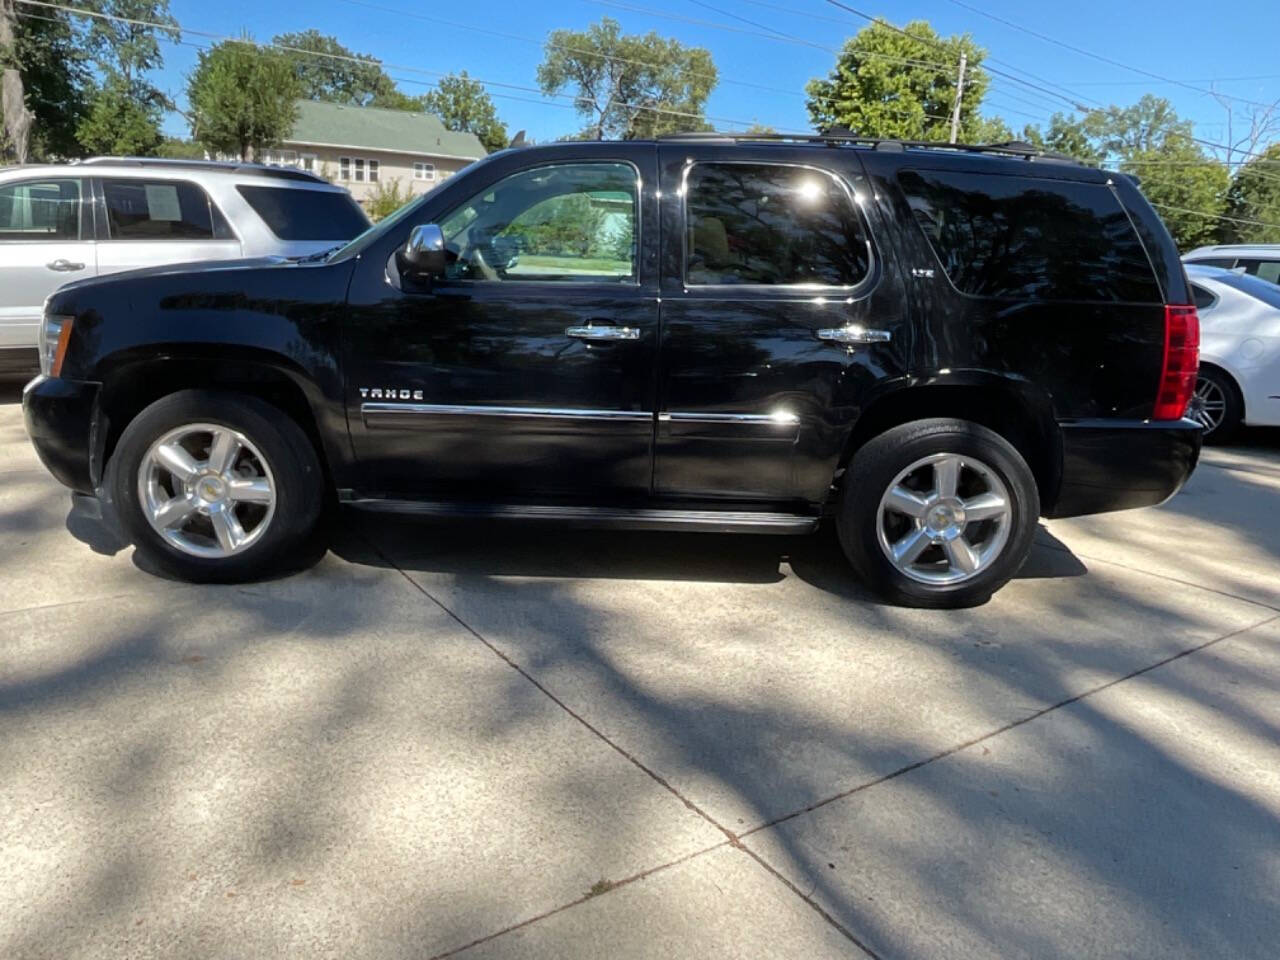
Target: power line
{"type": "Point", "coordinates": [1097, 56]}
{"type": "Point", "coordinates": [171, 28]}
{"type": "Point", "coordinates": [1215, 216]}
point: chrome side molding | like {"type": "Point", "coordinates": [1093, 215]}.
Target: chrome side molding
{"type": "Point", "coordinates": [615, 518]}
{"type": "Point", "coordinates": [782, 418]}
{"type": "Point", "coordinates": [401, 414]}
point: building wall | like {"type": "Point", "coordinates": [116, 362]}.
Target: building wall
{"type": "Point", "coordinates": [327, 162]}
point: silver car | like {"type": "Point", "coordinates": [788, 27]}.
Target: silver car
{"type": "Point", "coordinates": [71, 221]}
{"type": "Point", "coordinates": [1256, 259]}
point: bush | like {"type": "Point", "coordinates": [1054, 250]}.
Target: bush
{"type": "Point", "coordinates": [386, 200]}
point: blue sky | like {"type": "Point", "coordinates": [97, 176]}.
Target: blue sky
{"type": "Point", "coordinates": [1173, 38]}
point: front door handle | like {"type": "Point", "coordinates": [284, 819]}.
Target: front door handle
{"type": "Point", "coordinates": [603, 332]}
{"type": "Point", "coordinates": [64, 266]}
{"type": "Point", "coordinates": [854, 333]}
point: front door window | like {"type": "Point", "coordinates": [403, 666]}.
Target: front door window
{"type": "Point", "coordinates": [563, 222]}
{"type": "Point", "coordinates": [41, 210]}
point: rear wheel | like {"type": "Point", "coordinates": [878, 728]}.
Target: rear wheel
{"type": "Point", "coordinates": [938, 513]}
{"type": "Point", "coordinates": [215, 486]}
{"type": "Point", "coordinates": [1216, 405]}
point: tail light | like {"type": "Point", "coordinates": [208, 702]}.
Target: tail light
{"type": "Point", "coordinates": [1181, 361]}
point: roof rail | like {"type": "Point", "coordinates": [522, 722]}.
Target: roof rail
{"type": "Point", "coordinates": [1014, 148]}
{"type": "Point", "coordinates": [228, 166]}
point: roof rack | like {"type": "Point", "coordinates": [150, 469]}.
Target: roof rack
{"type": "Point", "coordinates": [1013, 148]}
{"type": "Point", "coordinates": [229, 166]}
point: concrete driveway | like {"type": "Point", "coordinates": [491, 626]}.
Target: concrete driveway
{"type": "Point", "coordinates": [487, 741]}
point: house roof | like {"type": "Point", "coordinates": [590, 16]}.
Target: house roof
{"type": "Point", "coordinates": [372, 128]}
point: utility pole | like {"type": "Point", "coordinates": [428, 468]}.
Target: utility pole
{"type": "Point", "coordinates": [955, 111]}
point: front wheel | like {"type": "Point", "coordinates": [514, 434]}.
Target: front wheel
{"type": "Point", "coordinates": [938, 513]}
{"type": "Point", "coordinates": [215, 487]}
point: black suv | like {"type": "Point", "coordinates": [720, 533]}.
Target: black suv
{"type": "Point", "coordinates": [932, 346]}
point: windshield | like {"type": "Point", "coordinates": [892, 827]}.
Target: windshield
{"type": "Point", "coordinates": [1259, 289]}
{"type": "Point", "coordinates": [362, 242]}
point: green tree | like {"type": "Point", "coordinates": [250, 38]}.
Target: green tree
{"type": "Point", "coordinates": [463, 105]}
{"type": "Point", "coordinates": [242, 98]}
{"type": "Point", "coordinates": [1255, 195]}
{"type": "Point", "coordinates": [123, 43]}
{"type": "Point", "coordinates": [1149, 140]}
{"type": "Point", "coordinates": [119, 124]}
{"type": "Point", "coordinates": [176, 148]}
{"type": "Point", "coordinates": [125, 109]}
{"type": "Point", "coordinates": [326, 70]}
{"type": "Point", "coordinates": [45, 79]}
{"type": "Point", "coordinates": [902, 85]}
{"type": "Point", "coordinates": [628, 86]}
{"type": "Point", "coordinates": [1066, 135]}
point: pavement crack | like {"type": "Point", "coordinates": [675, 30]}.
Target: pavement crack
{"type": "Point", "coordinates": [731, 839]}
{"type": "Point", "coordinates": [943, 754]}
{"type": "Point", "coordinates": [1159, 576]}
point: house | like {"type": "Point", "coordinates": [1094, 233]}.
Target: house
{"type": "Point", "coordinates": [362, 147]}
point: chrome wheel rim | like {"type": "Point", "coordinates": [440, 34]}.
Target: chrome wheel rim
{"type": "Point", "coordinates": [1208, 404]}
{"type": "Point", "coordinates": [207, 490]}
{"type": "Point", "coordinates": [944, 519]}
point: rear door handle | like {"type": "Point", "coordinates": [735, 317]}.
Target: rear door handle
{"type": "Point", "coordinates": [854, 333]}
{"type": "Point", "coordinates": [602, 332]}
{"type": "Point", "coordinates": [64, 266]}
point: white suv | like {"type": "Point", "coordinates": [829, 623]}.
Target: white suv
{"type": "Point", "coordinates": [71, 221]}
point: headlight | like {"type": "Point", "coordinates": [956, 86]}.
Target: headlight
{"type": "Point", "coordinates": [55, 331]}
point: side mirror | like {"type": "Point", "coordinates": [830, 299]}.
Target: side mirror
{"type": "Point", "coordinates": [423, 257]}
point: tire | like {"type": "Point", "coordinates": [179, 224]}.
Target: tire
{"type": "Point", "coordinates": [942, 532]}
{"type": "Point", "coordinates": [268, 445]}
{"type": "Point", "coordinates": [1217, 405]}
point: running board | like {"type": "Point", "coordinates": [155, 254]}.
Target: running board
{"type": "Point", "coordinates": [616, 518]}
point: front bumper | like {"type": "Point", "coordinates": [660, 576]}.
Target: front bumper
{"type": "Point", "coordinates": [1119, 464]}
{"type": "Point", "coordinates": [61, 417]}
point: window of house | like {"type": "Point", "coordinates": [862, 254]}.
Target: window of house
{"type": "Point", "coordinates": [308, 162]}
{"type": "Point", "coordinates": [560, 222]}
{"type": "Point", "coordinates": [161, 210]}
{"type": "Point", "coordinates": [344, 168]}
{"type": "Point", "coordinates": [41, 210]}
{"type": "Point", "coordinates": [280, 158]}
{"type": "Point", "coordinates": [357, 170]}
{"type": "Point", "coordinates": [373, 171]}
{"type": "Point", "coordinates": [424, 171]}
{"type": "Point", "coordinates": [759, 223]}
{"type": "Point", "coordinates": [1031, 238]}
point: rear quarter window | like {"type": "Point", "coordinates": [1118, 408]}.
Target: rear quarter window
{"type": "Point", "coordinates": [302, 215]}
{"type": "Point", "coordinates": [1027, 238]}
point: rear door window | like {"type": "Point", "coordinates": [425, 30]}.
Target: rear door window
{"type": "Point", "coordinates": [304, 215]}
{"type": "Point", "coordinates": [42, 210]}
{"type": "Point", "coordinates": [140, 209]}
{"type": "Point", "coordinates": [1026, 238]}
{"type": "Point", "coordinates": [1265, 269]}
{"type": "Point", "coordinates": [771, 225]}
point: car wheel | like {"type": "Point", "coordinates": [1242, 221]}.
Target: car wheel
{"type": "Point", "coordinates": [215, 487]}
{"type": "Point", "coordinates": [1216, 405]}
{"type": "Point", "coordinates": [938, 513]}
